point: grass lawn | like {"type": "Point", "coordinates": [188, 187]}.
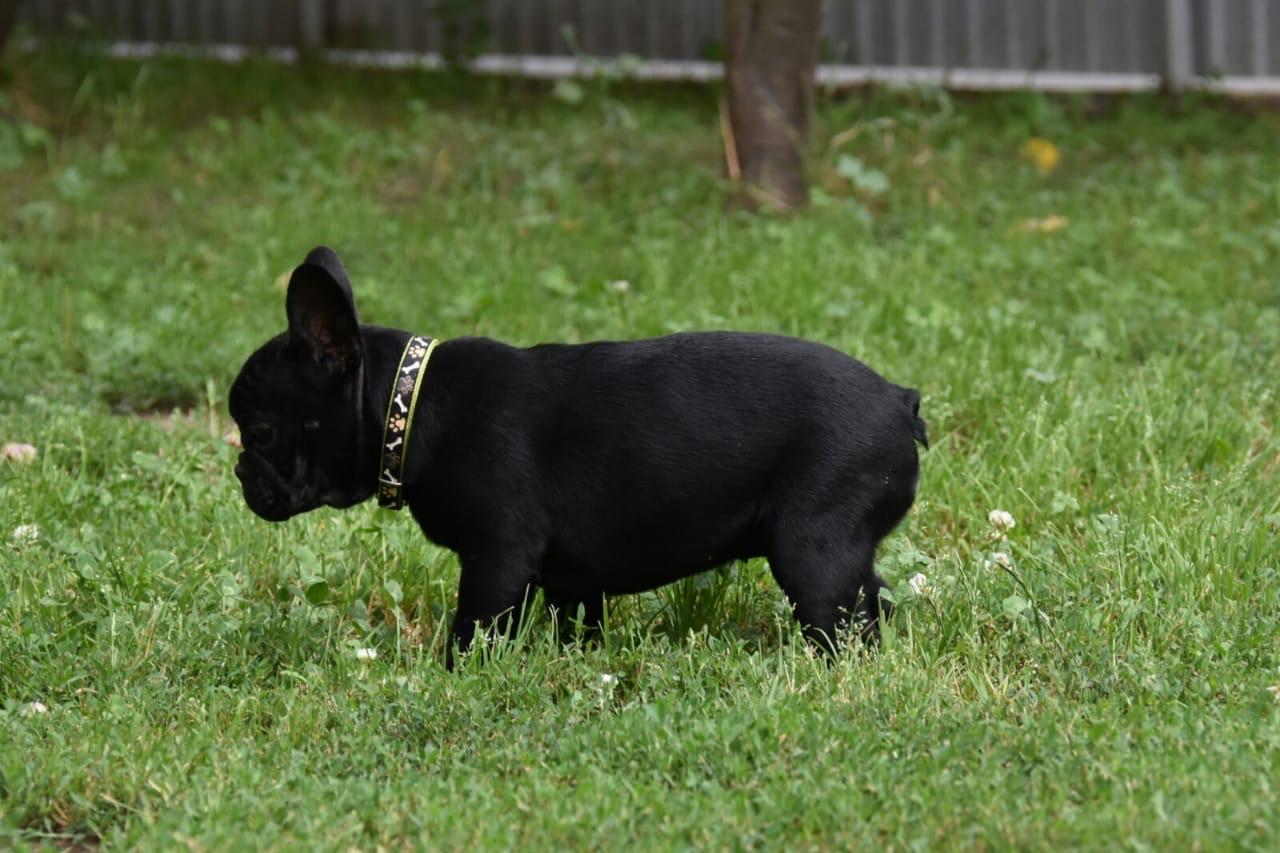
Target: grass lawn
{"type": "Point", "coordinates": [1098, 346]}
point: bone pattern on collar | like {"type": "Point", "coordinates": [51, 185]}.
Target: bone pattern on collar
{"type": "Point", "coordinates": [400, 411]}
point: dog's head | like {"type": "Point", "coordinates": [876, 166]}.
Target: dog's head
{"type": "Point", "coordinates": [297, 401]}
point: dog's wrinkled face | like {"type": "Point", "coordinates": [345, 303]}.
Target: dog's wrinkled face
{"type": "Point", "coordinates": [296, 402]}
{"type": "Point", "coordinates": [299, 431]}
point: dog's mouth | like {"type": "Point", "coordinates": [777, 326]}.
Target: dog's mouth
{"type": "Point", "coordinates": [264, 491]}
{"type": "Point", "coordinates": [273, 497]}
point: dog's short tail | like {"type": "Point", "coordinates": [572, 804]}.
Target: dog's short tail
{"type": "Point", "coordinates": [919, 430]}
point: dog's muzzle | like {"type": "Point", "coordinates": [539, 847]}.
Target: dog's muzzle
{"type": "Point", "coordinates": [264, 492]}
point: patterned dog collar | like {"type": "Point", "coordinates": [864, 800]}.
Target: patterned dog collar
{"type": "Point", "coordinates": [395, 434]}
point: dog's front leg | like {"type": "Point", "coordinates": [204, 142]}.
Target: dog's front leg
{"type": "Point", "coordinates": [492, 593]}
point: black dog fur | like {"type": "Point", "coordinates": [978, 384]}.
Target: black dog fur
{"type": "Point", "coordinates": [594, 469]}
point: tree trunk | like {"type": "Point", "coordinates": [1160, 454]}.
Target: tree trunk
{"type": "Point", "coordinates": [772, 49]}
{"type": "Point", "coordinates": [8, 17]}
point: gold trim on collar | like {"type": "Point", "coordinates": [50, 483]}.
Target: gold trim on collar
{"type": "Point", "coordinates": [400, 411]}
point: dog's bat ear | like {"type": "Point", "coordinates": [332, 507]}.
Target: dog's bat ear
{"type": "Point", "coordinates": [322, 311]}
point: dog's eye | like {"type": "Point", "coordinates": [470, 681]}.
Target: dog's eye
{"type": "Point", "coordinates": [311, 425]}
{"type": "Point", "coordinates": [261, 436]}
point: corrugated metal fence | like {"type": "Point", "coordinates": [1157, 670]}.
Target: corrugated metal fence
{"type": "Point", "coordinates": [1103, 44]}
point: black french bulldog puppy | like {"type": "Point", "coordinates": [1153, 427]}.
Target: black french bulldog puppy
{"type": "Point", "coordinates": [593, 469]}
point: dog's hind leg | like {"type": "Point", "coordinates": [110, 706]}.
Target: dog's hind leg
{"type": "Point", "coordinates": [577, 615]}
{"type": "Point", "coordinates": [872, 609]}
{"type": "Point", "coordinates": [827, 576]}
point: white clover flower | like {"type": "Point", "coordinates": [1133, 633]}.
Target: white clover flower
{"type": "Point", "coordinates": [1001, 559]}
{"type": "Point", "coordinates": [1274, 690]}
{"type": "Point", "coordinates": [25, 534]}
{"type": "Point", "coordinates": [366, 654]}
{"type": "Point", "coordinates": [608, 679]}
{"type": "Point", "coordinates": [15, 452]}
{"type": "Point", "coordinates": [920, 584]}
{"type": "Point", "coordinates": [619, 286]}
{"type": "Point", "coordinates": [1001, 520]}
{"type": "Point", "coordinates": [35, 708]}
